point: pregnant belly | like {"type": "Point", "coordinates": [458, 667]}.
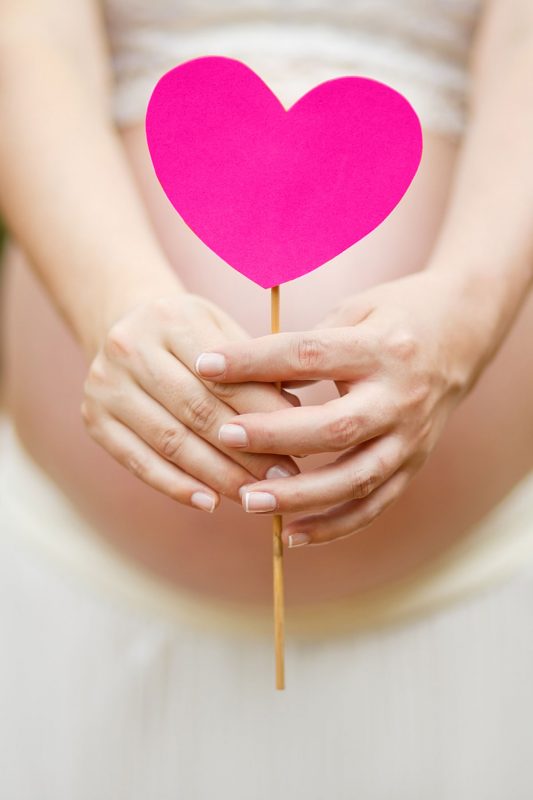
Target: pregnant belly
{"type": "Point", "coordinates": [482, 453]}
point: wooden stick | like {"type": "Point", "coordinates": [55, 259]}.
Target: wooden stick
{"type": "Point", "coordinates": [277, 544]}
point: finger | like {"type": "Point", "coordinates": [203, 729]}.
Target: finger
{"type": "Point", "coordinates": [331, 353]}
{"type": "Point", "coordinates": [169, 382]}
{"type": "Point", "coordinates": [351, 312]}
{"type": "Point", "coordinates": [249, 397]}
{"type": "Point", "coordinates": [172, 440]}
{"type": "Point", "coordinates": [345, 519]}
{"type": "Point", "coordinates": [291, 398]}
{"type": "Point", "coordinates": [353, 476]}
{"type": "Point", "coordinates": [336, 425]}
{"type": "Point", "coordinates": [298, 384]}
{"type": "Point", "coordinates": [242, 397]}
{"type": "Point", "coordinates": [134, 454]}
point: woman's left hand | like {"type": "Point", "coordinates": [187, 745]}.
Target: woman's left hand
{"type": "Point", "coordinates": [402, 355]}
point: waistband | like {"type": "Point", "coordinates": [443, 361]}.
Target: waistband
{"type": "Point", "coordinates": [40, 517]}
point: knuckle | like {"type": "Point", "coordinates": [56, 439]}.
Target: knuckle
{"type": "Point", "coordinates": [201, 411]}
{"type": "Point", "coordinates": [420, 389]}
{"type": "Point", "coordinates": [412, 402]}
{"type": "Point", "coordinates": [341, 432]}
{"type": "Point", "coordinates": [87, 415]}
{"type": "Point", "coordinates": [119, 342]}
{"type": "Point", "coordinates": [308, 353]}
{"type": "Point", "coordinates": [382, 468]}
{"type": "Point", "coordinates": [96, 376]}
{"type": "Point", "coordinates": [226, 391]}
{"type": "Point", "coordinates": [371, 509]}
{"type": "Point", "coordinates": [375, 506]}
{"type": "Point", "coordinates": [229, 483]}
{"type": "Point", "coordinates": [164, 308]}
{"type": "Point", "coordinates": [136, 465]}
{"type": "Point", "coordinates": [403, 344]}
{"type": "Point", "coordinates": [170, 442]}
{"type": "Point", "coordinates": [362, 483]}
{"type": "Point", "coordinates": [371, 512]}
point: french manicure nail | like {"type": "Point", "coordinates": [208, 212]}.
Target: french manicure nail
{"type": "Point", "coordinates": [277, 472]}
{"type": "Point", "coordinates": [203, 501]}
{"type": "Point", "coordinates": [209, 365]}
{"type": "Point", "coordinates": [298, 539]}
{"type": "Point", "coordinates": [233, 435]}
{"type": "Point", "coordinates": [259, 501]}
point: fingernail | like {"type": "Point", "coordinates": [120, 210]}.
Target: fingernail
{"type": "Point", "coordinates": [233, 435]}
{"type": "Point", "coordinates": [277, 472]}
{"type": "Point", "coordinates": [298, 539]}
{"type": "Point", "coordinates": [203, 501]}
{"type": "Point", "coordinates": [243, 489]}
{"type": "Point", "coordinates": [259, 501]}
{"type": "Point", "coordinates": [209, 365]}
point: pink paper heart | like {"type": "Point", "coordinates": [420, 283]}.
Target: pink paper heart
{"type": "Point", "coordinates": [275, 192]}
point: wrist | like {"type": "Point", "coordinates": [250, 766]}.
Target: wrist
{"type": "Point", "coordinates": [482, 304]}
{"type": "Point", "coordinates": [124, 291]}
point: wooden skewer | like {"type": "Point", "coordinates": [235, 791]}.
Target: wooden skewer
{"type": "Point", "coordinates": [277, 544]}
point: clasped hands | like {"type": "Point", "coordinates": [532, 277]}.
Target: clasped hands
{"type": "Point", "coordinates": [181, 397]}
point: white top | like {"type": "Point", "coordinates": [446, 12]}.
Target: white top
{"type": "Point", "coordinates": [420, 47]}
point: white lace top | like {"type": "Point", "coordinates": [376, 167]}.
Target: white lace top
{"type": "Point", "coordinates": [419, 47]}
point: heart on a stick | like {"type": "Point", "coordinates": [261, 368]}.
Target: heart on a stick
{"type": "Point", "coordinates": [277, 192]}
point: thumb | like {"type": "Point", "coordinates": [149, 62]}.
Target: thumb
{"type": "Point", "coordinates": [350, 312]}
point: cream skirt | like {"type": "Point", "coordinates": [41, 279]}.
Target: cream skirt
{"type": "Point", "coordinates": [115, 688]}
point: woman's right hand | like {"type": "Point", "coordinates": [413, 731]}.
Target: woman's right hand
{"type": "Point", "coordinates": [146, 406]}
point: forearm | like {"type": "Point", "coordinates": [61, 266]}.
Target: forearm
{"type": "Point", "coordinates": [67, 193]}
{"type": "Point", "coordinates": [486, 242]}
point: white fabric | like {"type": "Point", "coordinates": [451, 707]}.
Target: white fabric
{"type": "Point", "coordinates": [104, 699]}
{"type": "Point", "coordinates": [102, 702]}
{"type": "Point", "coordinates": [420, 47]}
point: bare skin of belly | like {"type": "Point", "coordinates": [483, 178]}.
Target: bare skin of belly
{"type": "Point", "coordinates": [484, 450]}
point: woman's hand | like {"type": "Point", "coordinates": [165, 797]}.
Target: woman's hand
{"type": "Point", "coordinates": [145, 405]}
{"type": "Point", "coordinates": [402, 355]}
